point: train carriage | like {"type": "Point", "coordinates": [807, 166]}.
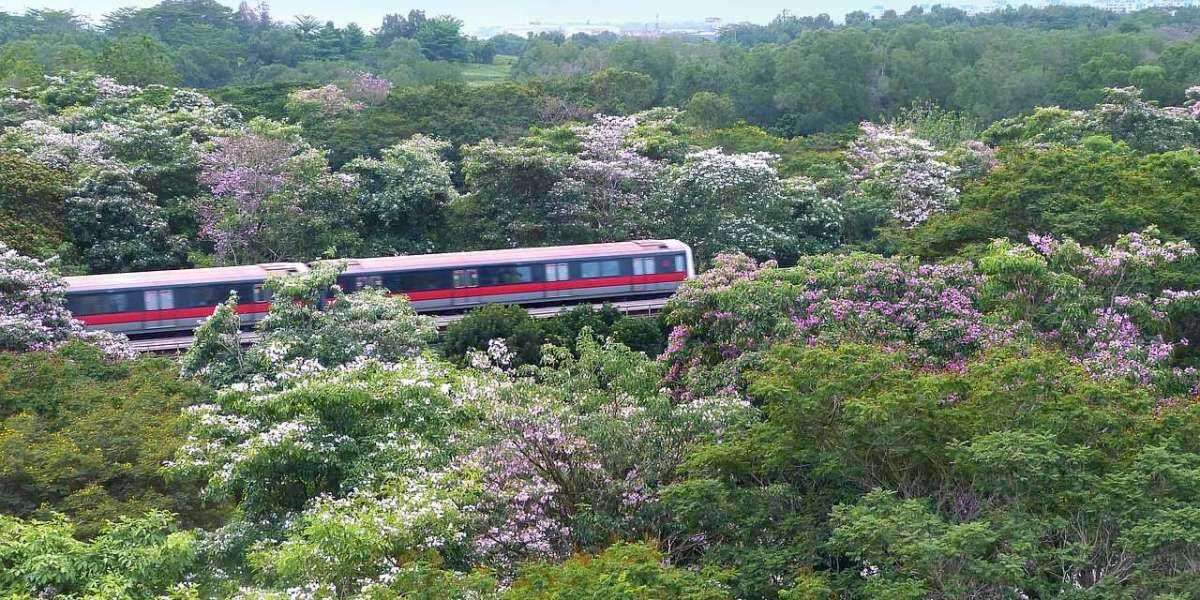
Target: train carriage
{"type": "Point", "coordinates": [166, 301]}
{"type": "Point", "coordinates": [557, 274]}
{"type": "Point", "coordinates": [178, 300]}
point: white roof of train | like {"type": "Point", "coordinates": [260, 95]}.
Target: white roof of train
{"type": "Point", "coordinates": [116, 281]}
{"type": "Point", "coordinates": [468, 259]}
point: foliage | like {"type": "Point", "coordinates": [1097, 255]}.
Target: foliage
{"type": "Point", "coordinates": [993, 478]}
{"type": "Point", "coordinates": [520, 333]}
{"type": "Point", "coordinates": [33, 309]}
{"type": "Point", "coordinates": [621, 571]}
{"type": "Point", "coordinates": [405, 194]}
{"type": "Point", "coordinates": [311, 326]}
{"type": "Point", "coordinates": [901, 173]}
{"type": "Point", "coordinates": [31, 197]}
{"type": "Point", "coordinates": [1089, 195]}
{"type": "Point", "coordinates": [85, 437]}
{"type": "Point", "coordinates": [116, 226]}
{"type": "Point", "coordinates": [578, 459]}
{"type": "Point", "coordinates": [141, 558]}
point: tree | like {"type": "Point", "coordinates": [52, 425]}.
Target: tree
{"type": "Point", "coordinates": [34, 314]}
{"type": "Point", "coordinates": [514, 195]}
{"type": "Point", "coordinates": [721, 202]}
{"type": "Point", "coordinates": [311, 325]}
{"type": "Point", "coordinates": [405, 194]}
{"type": "Point", "coordinates": [621, 92]}
{"type": "Point", "coordinates": [520, 334]}
{"type": "Point", "coordinates": [86, 436]}
{"type": "Point", "coordinates": [622, 570]}
{"type": "Point", "coordinates": [141, 557]}
{"type": "Point", "coordinates": [138, 60]}
{"type": "Point", "coordinates": [440, 38]}
{"type": "Point", "coordinates": [900, 173]}
{"type": "Point", "coordinates": [116, 226]}
{"type": "Point", "coordinates": [31, 197]}
{"type": "Point", "coordinates": [710, 111]}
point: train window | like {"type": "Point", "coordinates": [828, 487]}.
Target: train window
{"type": "Point", "coordinates": [643, 266]}
{"type": "Point", "coordinates": [505, 274]}
{"type": "Point", "coordinates": [94, 304]}
{"type": "Point", "coordinates": [260, 293]}
{"type": "Point", "coordinates": [679, 263]}
{"type": "Point", "coordinates": [600, 268]}
{"type": "Point", "coordinates": [417, 281]}
{"type": "Point", "coordinates": [209, 295]}
{"type": "Point", "coordinates": [466, 278]}
{"type": "Point", "coordinates": [665, 264]}
{"type": "Point", "coordinates": [557, 272]}
{"type": "Point", "coordinates": [159, 299]}
{"type": "Point", "coordinates": [366, 281]}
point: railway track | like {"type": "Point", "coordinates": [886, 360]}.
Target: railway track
{"type": "Point", "coordinates": [173, 345]}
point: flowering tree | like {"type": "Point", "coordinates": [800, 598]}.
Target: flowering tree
{"type": "Point", "coordinates": [368, 88]}
{"type": "Point", "coordinates": [328, 432]}
{"type": "Point", "coordinates": [33, 309]}
{"type": "Point", "coordinates": [581, 456]}
{"type": "Point", "coordinates": [311, 326]}
{"type": "Point", "coordinates": [404, 193]}
{"type": "Point", "coordinates": [930, 312]}
{"type": "Point", "coordinates": [1122, 116]}
{"type": "Point", "coordinates": [242, 171]}
{"type": "Point", "coordinates": [903, 172]}
{"type": "Point", "coordinates": [1108, 305]}
{"type": "Point", "coordinates": [717, 202]}
{"type": "Point", "coordinates": [321, 103]}
{"type": "Point", "coordinates": [611, 176]}
{"type": "Point", "coordinates": [131, 154]}
{"type": "Point", "coordinates": [116, 226]}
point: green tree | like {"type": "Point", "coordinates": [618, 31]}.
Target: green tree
{"type": "Point", "coordinates": [31, 205]}
{"type": "Point", "coordinates": [440, 38]}
{"type": "Point", "coordinates": [621, 571]}
{"type": "Point", "coordinates": [139, 558]}
{"type": "Point", "coordinates": [86, 437]}
{"type": "Point", "coordinates": [138, 60]}
{"type": "Point", "coordinates": [710, 111]}
{"type": "Point", "coordinates": [522, 334]}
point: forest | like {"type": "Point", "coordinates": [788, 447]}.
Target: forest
{"type": "Point", "coordinates": [939, 345]}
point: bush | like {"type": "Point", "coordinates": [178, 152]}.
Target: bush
{"type": "Point", "coordinates": [622, 571]}
{"type": "Point", "coordinates": [86, 436]}
{"type": "Point", "coordinates": [521, 333]}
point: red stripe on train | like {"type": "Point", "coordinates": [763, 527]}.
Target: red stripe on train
{"type": "Point", "coordinates": [544, 286]}
{"type": "Point", "coordinates": [170, 313]}
{"type": "Point", "coordinates": [491, 290]}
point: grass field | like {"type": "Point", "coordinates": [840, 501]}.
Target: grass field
{"type": "Point", "coordinates": [499, 70]}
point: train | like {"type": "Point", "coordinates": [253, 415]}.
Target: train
{"type": "Point", "coordinates": [157, 302]}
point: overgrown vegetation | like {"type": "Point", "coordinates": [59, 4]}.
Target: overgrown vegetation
{"type": "Point", "coordinates": [941, 342]}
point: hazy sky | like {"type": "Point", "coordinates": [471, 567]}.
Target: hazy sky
{"type": "Point", "coordinates": [482, 13]}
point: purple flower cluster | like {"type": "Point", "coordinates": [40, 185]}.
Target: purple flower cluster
{"type": "Point", "coordinates": [368, 88]}
{"type": "Point", "coordinates": [1117, 341]}
{"type": "Point", "coordinates": [325, 101]}
{"type": "Point", "coordinates": [243, 170]}
{"type": "Point", "coordinates": [930, 311]}
{"type": "Point", "coordinates": [534, 478]}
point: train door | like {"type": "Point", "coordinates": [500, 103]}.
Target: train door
{"type": "Point", "coordinates": [642, 266]}
{"type": "Point", "coordinates": [556, 272]}
{"type": "Point", "coordinates": [464, 280]}
{"type": "Point", "coordinates": [155, 302]}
